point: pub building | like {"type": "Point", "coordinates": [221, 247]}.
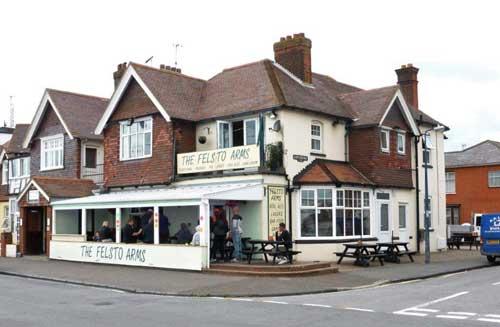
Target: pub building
{"type": "Point", "coordinates": [334, 162]}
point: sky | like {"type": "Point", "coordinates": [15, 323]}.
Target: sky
{"type": "Point", "coordinates": [76, 45]}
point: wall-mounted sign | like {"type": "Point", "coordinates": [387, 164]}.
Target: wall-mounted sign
{"type": "Point", "coordinates": [275, 207]}
{"type": "Point", "coordinates": [238, 157]}
{"type": "Point", "coordinates": [299, 158]}
{"type": "Point", "coordinates": [33, 196]}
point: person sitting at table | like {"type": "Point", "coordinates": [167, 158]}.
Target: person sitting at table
{"type": "Point", "coordinates": [130, 232]}
{"type": "Point", "coordinates": [197, 236]}
{"type": "Point", "coordinates": [105, 232]}
{"type": "Point", "coordinates": [148, 232]}
{"type": "Point", "coordinates": [283, 235]}
{"type": "Point", "coordinates": [183, 235]}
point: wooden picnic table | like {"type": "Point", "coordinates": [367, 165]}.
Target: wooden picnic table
{"type": "Point", "coordinates": [362, 252]}
{"type": "Point", "coordinates": [270, 247]}
{"type": "Point", "coordinates": [394, 250]}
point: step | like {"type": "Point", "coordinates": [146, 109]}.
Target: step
{"type": "Point", "coordinates": [310, 272]}
{"type": "Point", "coordinates": [270, 267]}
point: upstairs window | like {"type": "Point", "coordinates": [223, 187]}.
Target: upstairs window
{"type": "Point", "coordinates": [450, 182]}
{"type": "Point", "coordinates": [5, 173]}
{"type": "Point", "coordinates": [384, 140]}
{"type": "Point", "coordinates": [237, 133]}
{"type": "Point", "coordinates": [90, 157]}
{"type": "Point", "coordinates": [494, 178]}
{"type": "Point", "coordinates": [316, 137]}
{"type": "Point", "coordinates": [52, 152]}
{"type": "Point", "coordinates": [19, 168]}
{"type": "Point", "coordinates": [136, 139]}
{"type": "Point", "coordinates": [401, 143]}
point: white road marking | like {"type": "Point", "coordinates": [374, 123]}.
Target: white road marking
{"type": "Point", "coordinates": [359, 309]}
{"type": "Point", "coordinates": [496, 284]}
{"type": "Point", "coordinates": [452, 317]}
{"type": "Point", "coordinates": [242, 299]}
{"type": "Point", "coordinates": [118, 291]}
{"type": "Point", "coordinates": [462, 313]}
{"type": "Point", "coordinates": [446, 298]}
{"type": "Point", "coordinates": [316, 305]}
{"type": "Point", "coordinates": [274, 302]}
{"type": "Point", "coordinates": [492, 316]}
{"type": "Point", "coordinates": [406, 313]}
{"type": "Point", "coordinates": [217, 298]}
{"type": "Point", "coordinates": [489, 320]}
{"type": "Point", "coordinates": [423, 310]}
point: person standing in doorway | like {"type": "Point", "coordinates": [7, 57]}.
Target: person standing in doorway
{"type": "Point", "coordinates": [236, 232]}
{"type": "Point", "coordinates": [220, 230]}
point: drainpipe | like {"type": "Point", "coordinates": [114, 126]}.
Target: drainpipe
{"type": "Point", "coordinates": [417, 192]}
{"type": "Point", "coordinates": [346, 141]}
{"type": "Point", "coordinates": [290, 220]}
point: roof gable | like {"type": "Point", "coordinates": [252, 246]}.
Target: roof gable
{"type": "Point", "coordinates": [15, 144]}
{"type": "Point", "coordinates": [77, 113]}
{"type": "Point", "coordinates": [59, 188]}
{"type": "Point", "coordinates": [322, 171]}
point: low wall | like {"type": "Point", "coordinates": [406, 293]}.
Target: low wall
{"type": "Point", "coordinates": [159, 256]}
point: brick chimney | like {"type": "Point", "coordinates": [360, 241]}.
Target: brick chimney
{"type": "Point", "coordinates": [117, 75]}
{"type": "Point", "coordinates": [294, 53]}
{"type": "Point", "coordinates": [407, 80]}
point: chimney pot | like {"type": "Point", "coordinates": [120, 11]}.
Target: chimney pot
{"type": "Point", "coordinates": [117, 75]}
{"type": "Point", "coordinates": [162, 66]}
{"type": "Point", "coordinates": [294, 54]}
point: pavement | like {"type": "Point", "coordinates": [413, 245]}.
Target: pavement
{"type": "Point", "coordinates": [463, 299]}
{"type": "Point", "coordinates": [182, 283]}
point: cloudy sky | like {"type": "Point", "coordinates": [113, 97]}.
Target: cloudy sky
{"type": "Point", "coordinates": [76, 45]}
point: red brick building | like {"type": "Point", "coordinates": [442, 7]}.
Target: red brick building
{"type": "Point", "coordinates": [472, 182]}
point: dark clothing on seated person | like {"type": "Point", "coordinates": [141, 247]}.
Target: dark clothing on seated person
{"type": "Point", "coordinates": [127, 234]}
{"type": "Point", "coordinates": [183, 236]}
{"type": "Point", "coordinates": [105, 233]}
{"type": "Point", "coordinates": [284, 237]}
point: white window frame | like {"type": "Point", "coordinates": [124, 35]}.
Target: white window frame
{"type": "Point", "coordinates": [386, 133]}
{"type": "Point", "coordinates": [17, 162]}
{"type": "Point", "coordinates": [130, 135]}
{"type": "Point", "coordinates": [230, 131]}
{"type": "Point", "coordinates": [5, 172]}
{"type": "Point", "coordinates": [318, 138]}
{"type": "Point", "coordinates": [402, 136]}
{"type": "Point", "coordinates": [405, 206]}
{"type": "Point", "coordinates": [334, 208]}
{"type": "Point", "coordinates": [449, 180]}
{"type": "Point", "coordinates": [494, 175]}
{"type": "Point", "coordinates": [43, 152]}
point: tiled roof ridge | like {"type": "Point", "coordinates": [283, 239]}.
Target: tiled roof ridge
{"type": "Point", "coordinates": [77, 94]}
{"type": "Point", "coordinates": [273, 79]}
{"type": "Point", "coordinates": [495, 143]}
{"type": "Point", "coordinates": [394, 86]}
{"type": "Point", "coordinates": [167, 71]}
{"type": "Point", "coordinates": [336, 81]}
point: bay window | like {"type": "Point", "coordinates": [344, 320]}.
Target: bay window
{"type": "Point", "coordinates": [136, 139]}
{"type": "Point", "coordinates": [326, 213]}
{"type": "Point", "coordinates": [52, 152]}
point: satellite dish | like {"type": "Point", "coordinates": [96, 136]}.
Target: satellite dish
{"type": "Point", "coordinates": [276, 126]}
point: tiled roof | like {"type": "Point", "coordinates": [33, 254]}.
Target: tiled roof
{"type": "Point", "coordinates": [482, 154]}
{"type": "Point", "coordinates": [15, 145]}
{"type": "Point", "coordinates": [61, 188]}
{"type": "Point", "coordinates": [80, 112]}
{"type": "Point", "coordinates": [322, 171]}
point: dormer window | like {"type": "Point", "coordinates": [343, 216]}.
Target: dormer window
{"type": "Point", "coordinates": [52, 152]}
{"type": "Point", "coordinates": [384, 140]}
{"type": "Point", "coordinates": [136, 139]}
{"type": "Point", "coordinates": [316, 137]}
{"type": "Point", "coordinates": [401, 143]}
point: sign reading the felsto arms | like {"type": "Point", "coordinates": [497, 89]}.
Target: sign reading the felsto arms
{"type": "Point", "coordinates": [238, 157]}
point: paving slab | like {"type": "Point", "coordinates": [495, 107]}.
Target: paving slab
{"type": "Point", "coordinates": [168, 282]}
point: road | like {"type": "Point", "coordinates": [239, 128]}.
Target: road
{"type": "Point", "coordinates": [466, 299]}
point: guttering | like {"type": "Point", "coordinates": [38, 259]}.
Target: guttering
{"type": "Point", "coordinates": [417, 193]}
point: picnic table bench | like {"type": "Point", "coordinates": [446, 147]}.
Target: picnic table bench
{"type": "Point", "coordinates": [394, 250]}
{"type": "Point", "coordinates": [269, 248]}
{"type": "Point", "coordinates": [455, 240]}
{"type": "Point", "coordinates": [362, 252]}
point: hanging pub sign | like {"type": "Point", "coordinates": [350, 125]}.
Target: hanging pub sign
{"type": "Point", "coordinates": [275, 207]}
{"type": "Point", "coordinates": [238, 157]}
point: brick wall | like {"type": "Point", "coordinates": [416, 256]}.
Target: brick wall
{"type": "Point", "coordinates": [49, 126]}
{"type": "Point", "coordinates": [472, 193]}
{"type": "Point", "coordinates": [389, 169]}
{"type": "Point", "coordinates": [159, 168]}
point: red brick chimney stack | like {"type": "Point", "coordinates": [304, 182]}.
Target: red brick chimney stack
{"type": "Point", "coordinates": [294, 53]}
{"type": "Point", "coordinates": [407, 80]}
{"type": "Point", "coordinates": [120, 70]}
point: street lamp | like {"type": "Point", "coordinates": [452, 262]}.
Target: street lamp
{"type": "Point", "coordinates": [427, 204]}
